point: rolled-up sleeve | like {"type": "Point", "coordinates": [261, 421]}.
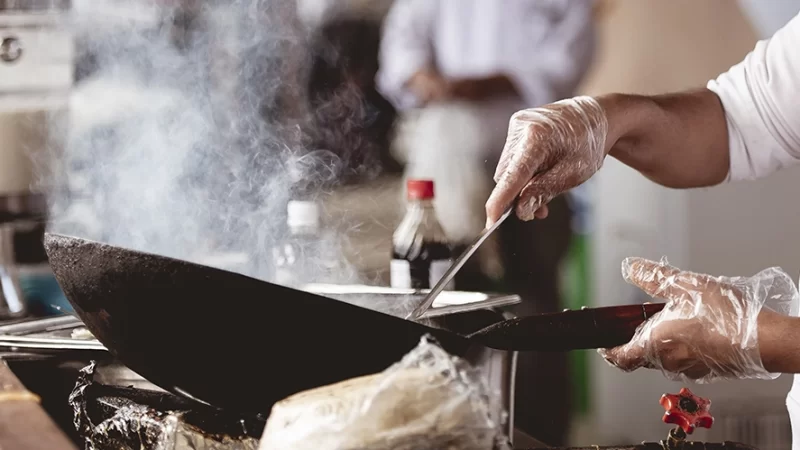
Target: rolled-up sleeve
{"type": "Point", "coordinates": [761, 98]}
{"type": "Point", "coordinates": [406, 48]}
{"type": "Point", "coordinates": [560, 62]}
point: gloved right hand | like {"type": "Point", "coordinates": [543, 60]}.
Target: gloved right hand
{"type": "Point", "coordinates": [549, 150]}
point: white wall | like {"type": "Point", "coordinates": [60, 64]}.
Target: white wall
{"type": "Point", "coordinates": [652, 46]}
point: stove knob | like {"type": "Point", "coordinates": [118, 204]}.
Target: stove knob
{"type": "Point", "coordinates": [10, 49]}
{"type": "Point", "coordinates": [687, 410]}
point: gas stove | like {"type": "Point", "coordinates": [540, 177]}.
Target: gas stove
{"type": "Point", "coordinates": [115, 408]}
{"type": "Point", "coordinates": [109, 416]}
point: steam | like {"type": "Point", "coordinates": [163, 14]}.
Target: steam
{"type": "Point", "coordinates": [190, 132]}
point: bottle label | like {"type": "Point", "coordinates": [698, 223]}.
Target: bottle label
{"type": "Point", "coordinates": [404, 276]}
{"type": "Point", "coordinates": [400, 274]}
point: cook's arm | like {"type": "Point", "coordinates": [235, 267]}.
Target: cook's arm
{"type": "Point", "coordinates": [406, 49]}
{"type": "Point", "coordinates": [779, 342]}
{"type": "Point", "coordinates": [745, 125]}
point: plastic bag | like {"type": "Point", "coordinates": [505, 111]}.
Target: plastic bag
{"type": "Point", "coordinates": [429, 400]}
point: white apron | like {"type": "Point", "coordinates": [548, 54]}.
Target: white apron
{"type": "Point", "coordinates": [793, 405]}
{"type": "Point", "coordinates": [793, 399]}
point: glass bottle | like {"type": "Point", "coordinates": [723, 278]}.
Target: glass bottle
{"type": "Point", "coordinates": [302, 258]}
{"type": "Point", "coordinates": [420, 250]}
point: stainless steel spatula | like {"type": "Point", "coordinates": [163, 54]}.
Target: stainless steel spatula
{"type": "Point", "coordinates": [457, 265]}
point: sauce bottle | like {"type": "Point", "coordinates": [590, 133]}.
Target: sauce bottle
{"type": "Point", "coordinates": [420, 251]}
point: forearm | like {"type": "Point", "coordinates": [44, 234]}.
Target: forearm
{"type": "Point", "coordinates": [779, 342]}
{"type": "Point", "coordinates": [676, 140]}
{"type": "Point", "coordinates": [405, 50]}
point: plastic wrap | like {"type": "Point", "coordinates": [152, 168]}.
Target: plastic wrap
{"type": "Point", "coordinates": [118, 418]}
{"type": "Point", "coordinates": [429, 400]}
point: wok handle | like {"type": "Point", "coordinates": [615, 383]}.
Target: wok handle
{"type": "Point", "coordinates": [588, 328]}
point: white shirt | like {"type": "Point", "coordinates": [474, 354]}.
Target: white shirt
{"type": "Point", "coordinates": [544, 46]}
{"type": "Point", "coordinates": [761, 97]}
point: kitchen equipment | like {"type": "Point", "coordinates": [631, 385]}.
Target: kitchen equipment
{"type": "Point", "coordinates": [36, 65]}
{"type": "Point", "coordinates": [457, 265]}
{"type": "Point", "coordinates": [113, 414]}
{"type": "Point", "coordinates": [397, 302]}
{"type": "Point", "coordinates": [66, 337]}
{"type": "Point", "coordinates": [36, 54]}
{"type": "Point", "coordinates": [165, 319]}
{"type": "Point", "coordinates": [687, 411]}
{"type": "Point", "coordinates": [587, 328]}
{"type": "Point", "coordinates": [110, 413]}
{"type": "Point", "coordinates": [49, 338]}
{"type": "Point", "coordinates": [21, 234]}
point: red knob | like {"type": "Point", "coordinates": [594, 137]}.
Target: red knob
{"type": "Point", "coordinates": [687, 410]}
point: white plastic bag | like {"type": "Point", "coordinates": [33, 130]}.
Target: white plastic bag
{"type": "Point", "coordinates": [429, 400]}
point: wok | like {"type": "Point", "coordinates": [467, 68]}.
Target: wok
{"type": "Point", "coordinates": [243, 344]}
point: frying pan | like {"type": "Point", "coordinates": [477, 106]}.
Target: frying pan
{"type": "Point", "coordinates": [243, 344]}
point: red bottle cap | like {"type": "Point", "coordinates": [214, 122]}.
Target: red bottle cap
{"type": "Point", "coordinates": [420, 189]}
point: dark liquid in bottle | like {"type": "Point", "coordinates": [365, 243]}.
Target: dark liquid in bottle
{"type": "Point", "coordinates": [434, 255]}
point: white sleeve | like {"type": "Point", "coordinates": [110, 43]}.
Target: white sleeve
{"type": "Point", "coordinates": [559, 63]}
{"type": "Point", "coordinates": [761, 98]}
{"type": "Point", "coordinates": [406, 48]}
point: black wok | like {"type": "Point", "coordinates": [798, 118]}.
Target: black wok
{"type": "Point", "coordinates": [242, 344]}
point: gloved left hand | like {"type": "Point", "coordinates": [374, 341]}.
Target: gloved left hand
{"type": "Point", "coordinates": [709, 327]}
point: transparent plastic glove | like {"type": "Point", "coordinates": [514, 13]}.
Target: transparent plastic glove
{"type": "Point", "coordinates": [549, 150]}
{"type": "Point", "coordinates": [708, 329]}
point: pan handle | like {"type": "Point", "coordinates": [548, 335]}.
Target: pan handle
{"type": "Point", "coordinates": [588, 328]}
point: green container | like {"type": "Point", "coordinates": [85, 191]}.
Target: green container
{"type": "Point", "coordinates": [576, 285]}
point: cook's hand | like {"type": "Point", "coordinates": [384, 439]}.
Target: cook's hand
{"type": "Point", "coordinates": [709, 328]}
{"type": "Point", "coordinates": [549, 150]}
{"type": "Point", "coordinates": [429, 86]}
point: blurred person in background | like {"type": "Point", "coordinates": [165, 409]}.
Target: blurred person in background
{"type": "Point", "coordinates": [457, 70]}
{"type": "Point", "coordinates": [349, 117]}
{"type": "Point", "coordinates": [744, 125]}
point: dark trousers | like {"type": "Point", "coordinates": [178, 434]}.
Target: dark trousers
{"type": "Point", "coordinates": [532, 254]}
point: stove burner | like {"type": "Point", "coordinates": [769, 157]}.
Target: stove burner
{"type": "Point", "coordinates": [10, 49]}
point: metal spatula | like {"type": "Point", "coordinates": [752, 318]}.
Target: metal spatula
{"type": "Point", "coordinates": [457, 265]}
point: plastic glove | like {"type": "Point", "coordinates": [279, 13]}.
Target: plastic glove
{"type": "Point", "coordinates": [708, 329]}
{"type": "Point", "coordinates": [548, 151]}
